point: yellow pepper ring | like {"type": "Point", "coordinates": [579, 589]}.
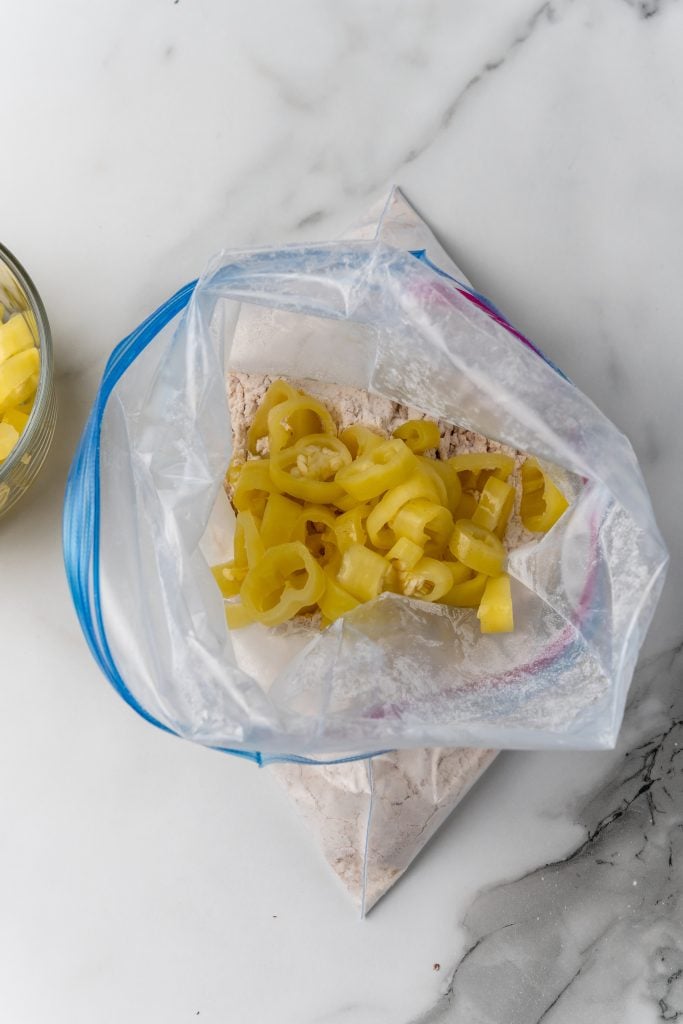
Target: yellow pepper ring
{"type": "Point", "coordinates": [419, 485]}
{"type": "Point", "coordinates": [477, 548]}
{"type": "Point", "coordinates": [405, 554]}
{"type": "Point", "coordinates": [278, 392]}
{"type": "Point", "coordinates": [495, 505]}
{"type": "Point", "coordinates": [542, 502]}
{"type": "Point", "coordinates": [16, 335]}
{"type": "Point", "coordinates": [229, 577]}
{"type": "Point", "coordinates": [281, 521]}
{"type": "Point", "coordinates": [466, 506]}
{"type": "Point", "coordinates": [237, 616]}
{"type": "Point", "coordinates": [383, 467]}
{"type": "Point", "coordinates": [253, 486]}
{"type": "Point", "coordinates": [18, 378]}
{"type": "Point", "coordinates": [284, 581]}
{"type": "Point", "coordinates": [474, 468]}
{"type": "Point", "coordinates": [429, 467]}
{"type": "Point", "coordinates": [295, 419]}
{"type": "Point", "coordinates": [428, 580]}
{"type": "Point", "coordinates": [424, 522]}
{"type": "Point", "coordinates": [419, 435]}
{"type": "Point", "coordinates": [450, 478]}
{"type": "Point", "coordinates": [335, 601]}
{"type": "Point", "coordinates": [360, 440]}
{"type": "Point", "coordinates": [495, 610]}
{"type": "Point", "coordinates": [467, 593]}
{"type": "Point", "coordinates": [316, 527]}
{"type": "Point", "coordinates": [247, 538]}
{"type": "Point", "coordinates": [307, 469]}
{"type": "Point", "coordinates": [362, 572]}
{"type": "Point", "coordinates": [460, 572]}
{"type": "Point", "coordinates": [349, 527]}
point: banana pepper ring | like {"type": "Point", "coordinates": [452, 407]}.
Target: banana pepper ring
{"type": "Point", "coordinates": [475, 468]}
{"type": "Point", "coordinates": [278, 392]}
{"type": "Point", "coordinates": [542, 502]}
{"type": "Point", "coordinates": [307, 469]}
{"type": "Point", "coordinates": [363, 573]}
{"type": "Point", "coordinates": [247, 550]}
{"type": "Point", "coordinates": [405, 554]}
{"type": "Point", "coordinates": [284, 581]}
{"type": "Point", "coordinates": [349, 527]}
{"type": "Point", "coordinates": [477, 548]}
{"type": "Point", "coordinates": [495, 610]}
{"type": "Point", "coordinates": [296, 418]}
{"type": "Point", "coordinates": [496, 502]}
{"type": "Point", "coordinates": [335, 601]}
{"type": "Point", "coordinates": [281, 521]}
{"type": "Point", "coordinates": [382, 468]}
{"type": "Point", "coordinates": [252, 487]}
{"type": "Point", "coordinates": [419, 485]}
{"type": "Point", "coordinates": [465, 593]}
{"type": "Point", "coordinates": [360, 440]}
{"type": "Point", "coordinates": [451, 481]}
{"type": "Point", "coordinates": [316, 526]}
{"type": "Point", "coordinates": [428, 580]}
{"type": "Point", "coordinates": [419, 435]}
{"type": "Point", "coordinates": [426, 523]}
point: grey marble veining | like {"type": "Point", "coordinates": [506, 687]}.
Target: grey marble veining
{"type": "Point", "coordinates": [603, 926]}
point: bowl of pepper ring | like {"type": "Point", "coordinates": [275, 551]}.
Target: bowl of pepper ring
{"type": "Point", "coordinates": [28, 407]}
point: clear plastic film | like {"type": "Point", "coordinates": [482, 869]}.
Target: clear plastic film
{"type": "Point", "coordinates": [370, 313]}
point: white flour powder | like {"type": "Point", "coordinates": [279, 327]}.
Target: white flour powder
{"type": "Point", "coordinates": [372, 818]}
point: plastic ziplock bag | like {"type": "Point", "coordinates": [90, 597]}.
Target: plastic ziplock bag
{"type": "Point", "coordinates": [401, 322]}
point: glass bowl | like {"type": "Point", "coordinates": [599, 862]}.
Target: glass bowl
{"type": "Point", "coordinates": [18, 471]}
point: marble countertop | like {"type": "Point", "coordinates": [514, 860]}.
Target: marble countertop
{"type": "Point", "coordinates": [147, 880]}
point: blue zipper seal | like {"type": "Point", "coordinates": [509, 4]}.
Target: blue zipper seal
{"type": "Point", "coordinates": [81, 518]}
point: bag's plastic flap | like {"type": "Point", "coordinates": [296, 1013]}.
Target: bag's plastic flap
{"type": "Point", "coordinates": [394, 673]}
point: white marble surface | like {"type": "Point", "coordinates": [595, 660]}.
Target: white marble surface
{"type": "Point", "coordinates": [147, 880]}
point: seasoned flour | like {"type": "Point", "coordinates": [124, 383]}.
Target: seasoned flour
{"type": "Point", "coordinates": [371, 818]}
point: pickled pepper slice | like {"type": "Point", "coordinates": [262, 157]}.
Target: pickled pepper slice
{"type": "Point", "coordinates": [18, 378]}
{"type": "Point", "coordinates": [284, 581]}
{"type": "Point", "coordinates": [253, 486]}
{"type": "Point", "coordinates": [380, 469]}
{"type": "Point", "coordinates": [362, 572]}
{"type": "Point", "coordinates": [247, 550]}
{"type": "Point", "coordinates": [426, 523]}
{"type": "Point", "coordinates": [296, 418]}
{"type": "Point", "coordinates": [496, 502]}
{"type": "Point", "coordinates": [335, 600]}
{"type": "Point", "coordinates": [9, 436]}
{"type": "Point", "coordinates": [428, 466]}
{"type": "Point", "coordinates": [419, 485]}
{"type": "Point", "coordinates": [16, 418]}
{"type": "Point", "coordinates": [237, 616]}
{"type": "Point", "coordinates": [419, 435]}
{"type": "Point", "coordinates": [350, 527]}
{"type": "Point", "coordinates": [477, 548]}
{"type": "Point", "coordinates": [474, 468]}
{"type": "Point", "coordinates": [405, 554]}
{"type": "Point", "coordinates": [307, 470]}
{"type": "Point", "coordinates": [360, 440]}
{"type": "Point", "coordinates": [466, 593]}
{"type": "Point", "coordinates": [15, 336]}
{"type": "Point", "coordinates": [278, 392]}
{"type": "Point", "coordinates": [281, 521]}
{"type": "Point", "coordinates": [542, 502]}
{"type": "Point", "coordinates": [428, 580]}
{"type": "Point", "coordinates": [495, 610]}
{"type": "Point", "coordinates": [450, 478]}
{"type": "Point", "coordinates": [316, 527]}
